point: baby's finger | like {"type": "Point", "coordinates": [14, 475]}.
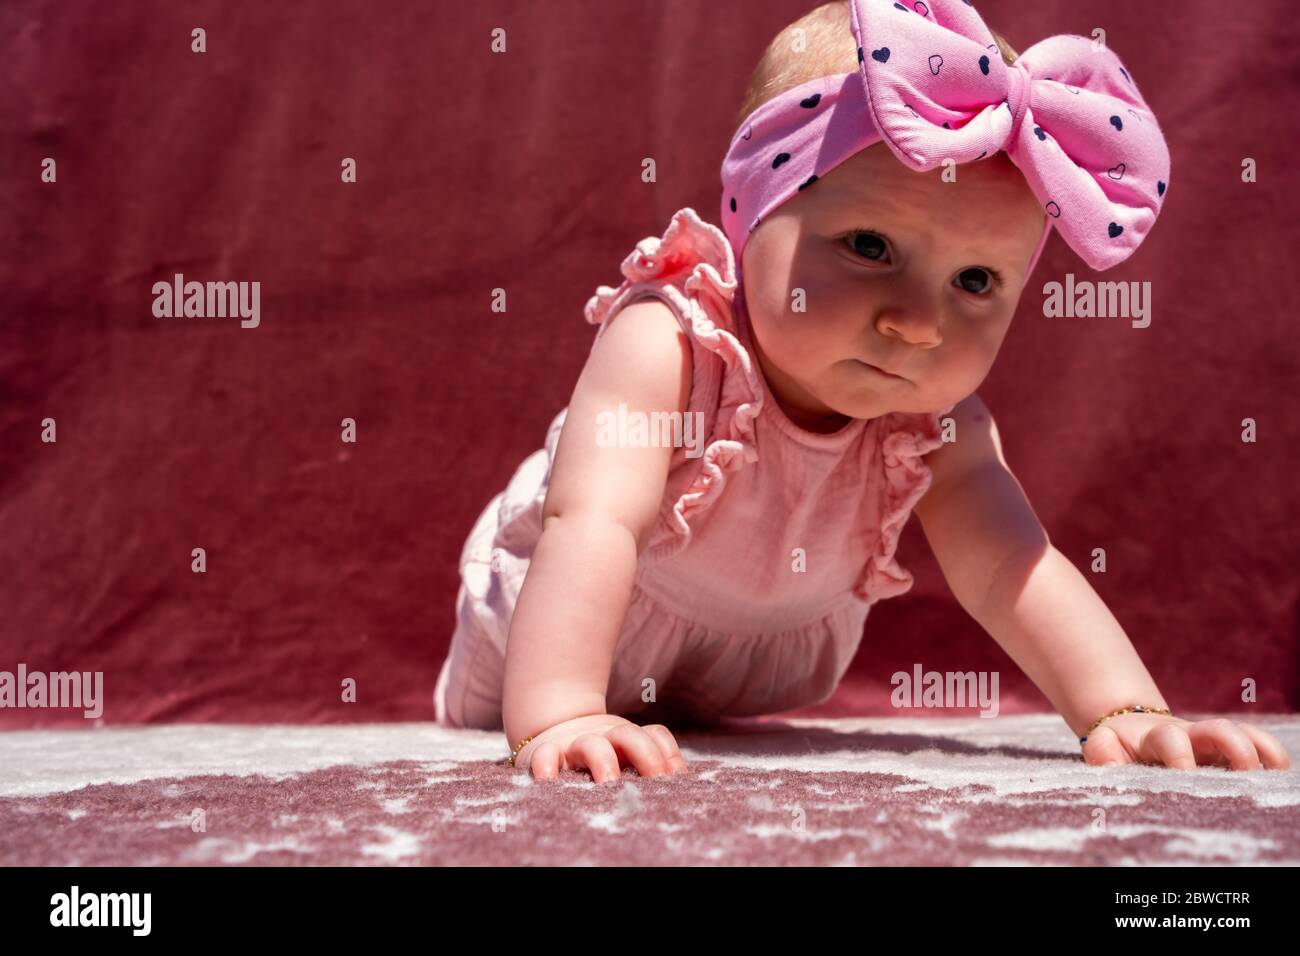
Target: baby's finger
{"type": "Point", "coordinates": [1229, 739]}
{"type": "Point", "coordinates": [1168, 744]}
{"type": "Point", "coordinates": [1102, 747]}
{"type": "Point", "coordinates": [596, 753]}
{"type": "Point", "coordinates": [545, 761]}
{"type": "Point", "coordinates": [1269, 748]}
{"type": "Point", "coordinates": [667, 746]}
{"type": "Point", "coordinates": [638, 749]}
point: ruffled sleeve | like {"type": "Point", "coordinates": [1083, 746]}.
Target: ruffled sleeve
{"type": "Point", "coordinates": [904, 439]}
{"type": "Point", "coordinates": [692, 268]}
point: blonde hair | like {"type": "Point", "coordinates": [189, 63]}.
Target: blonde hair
{"type": "Point", "coordinates": [827, 48]}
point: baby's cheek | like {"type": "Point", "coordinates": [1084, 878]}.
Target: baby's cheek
{"type": "Point", "coordinates": [950, 375]}
{"type": "Point", "coordinates": [989, 335]}
{"type": "Point", "coordinates": [781, 320]}
{"type": "Point", "coordinates": [809, 340]}
{"type": "Point", "coordinates": [962, 370]}
{"type": "Point", "coordinates": [765, 299]}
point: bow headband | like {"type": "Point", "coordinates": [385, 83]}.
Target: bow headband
{"type": "Point", "coordinates": [932, 85]}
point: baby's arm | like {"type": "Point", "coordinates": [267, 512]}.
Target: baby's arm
{"type": "Point", "coordinates": [600, 509]}
{"type": "Point", "coordinates": [1005, 572]}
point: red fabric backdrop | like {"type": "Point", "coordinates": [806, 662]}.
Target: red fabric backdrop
{"type": "Point", "coordinates": [481, 170]}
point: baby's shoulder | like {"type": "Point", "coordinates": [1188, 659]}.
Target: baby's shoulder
{"type": "Point", "coordinates": [970, 443]}
{"type": "Point", "coordinates": [642, 356]}
{"type": "Point", "coordinates": [690, 268]}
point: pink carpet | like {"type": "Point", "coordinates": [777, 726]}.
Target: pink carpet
{"type": "Point", "coordinates": [871, 791]}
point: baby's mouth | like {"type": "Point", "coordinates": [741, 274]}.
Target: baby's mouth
{"type": "Point", "coordinates": [880, 371]}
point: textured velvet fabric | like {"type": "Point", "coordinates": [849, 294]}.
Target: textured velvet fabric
{"type": "Point", "coordinates": [523, 171]}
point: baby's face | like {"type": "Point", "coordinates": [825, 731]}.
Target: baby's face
{"type": "Point", "coordinates": [899, 270]}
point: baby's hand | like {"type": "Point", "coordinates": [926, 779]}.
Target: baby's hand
{"type": "Point", "coordinates": [602, 743]}
{"type": "Point", "coordinates": [1174, 742]}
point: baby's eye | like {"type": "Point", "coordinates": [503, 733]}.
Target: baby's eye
{"type": "Point", "coordinates": [868, 245]}
{"type": "Point", "coordinates": [976, 280]}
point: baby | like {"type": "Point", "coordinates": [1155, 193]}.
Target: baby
{"type": "Point", "coordinates": [890, 186]}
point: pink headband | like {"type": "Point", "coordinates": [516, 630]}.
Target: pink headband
{"type": "Point", "coordinates": [932, 85]}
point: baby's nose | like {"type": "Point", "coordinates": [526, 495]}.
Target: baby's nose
{"type": "Point", "coordinates": [916, 326]}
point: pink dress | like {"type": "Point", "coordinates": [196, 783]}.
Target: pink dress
{"type": "Point", "coordinates": [769, 549]}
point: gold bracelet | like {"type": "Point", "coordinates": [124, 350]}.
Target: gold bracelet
{"type": "Point", "coordinates": [515, 753]}
{"type": "Point", "coordinates": [1135, 709]}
